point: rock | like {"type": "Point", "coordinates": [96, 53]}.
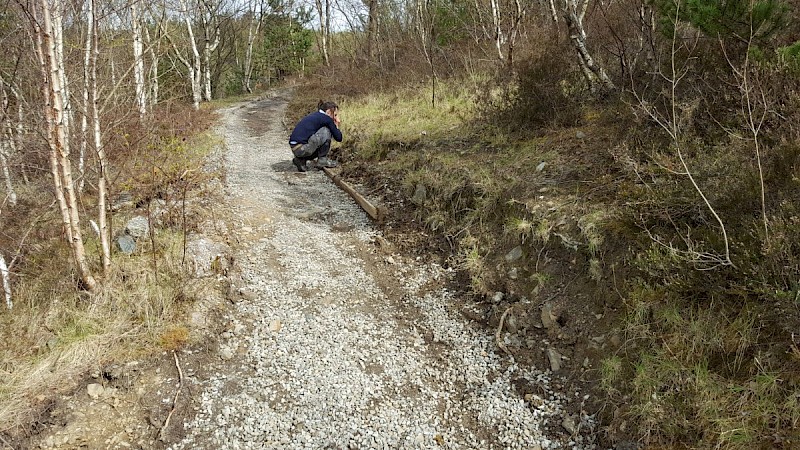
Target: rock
{"type": "Point", "coordinates": [275, 326]}
{"type": "Point", "coordinates": [514, 255]}
{"type": "Point", "coordinates": [248, 294]}
{"type": "Point", "coordinates": [580, 135]}
{"type": "Point", "coordinates": [569, 425]}
{"type": "Point", "coordinates": [548, 318]}
{"type": "Point", "coordinates": [615, 340]}
{"type": "Point", "coordinates": [207, 257]}
{"type": "Point", "coordinates": [420, 194]}
{"type": "Point", "coordinates": [555, 359]}
{"type": "Point", "coordinates": [541, 166]}
{"type": "Point", "coordinates": [226, 353]}
{"type": "Point", "coordinates": [511, 323]}
{"type": "Point", "coordinates": [247, 229]}
{"type": "Point", "coordinates": [137, 228]}
{"type": "Point", "coordinates": [95, 390]}
{"type": "Point", "coordinates": [123, 200]}
{"type": "Point", "coordinates": [513, 273]}
{"type": "Point", "coordinates": [498, 297]}
{"type": "Point", "coordinates": [126, 244]}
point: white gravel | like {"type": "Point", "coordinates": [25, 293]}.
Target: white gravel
{"type": "Point", "coordinates": [318, 358]}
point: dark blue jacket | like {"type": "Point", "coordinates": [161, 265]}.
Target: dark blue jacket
{"type": "Point", "coordinates": [309, 125]}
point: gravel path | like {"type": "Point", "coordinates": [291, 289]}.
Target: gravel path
{"type": "Point", "coordinates": [321, 354]}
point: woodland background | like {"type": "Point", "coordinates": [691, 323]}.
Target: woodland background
{"type": "Point", "coordinates": [668, 130]}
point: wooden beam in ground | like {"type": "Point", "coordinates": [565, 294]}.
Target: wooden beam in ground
{"type": "Point", "coordinates": [375, 212]}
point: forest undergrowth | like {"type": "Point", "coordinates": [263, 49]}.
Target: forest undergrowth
{"type": "Point", "coordinates": [56, 332]}
{"type": "Point", "coordinates": [710, 349]}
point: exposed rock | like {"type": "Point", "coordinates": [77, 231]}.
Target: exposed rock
{"type": "Point", "coordinates": [226, 353]}
{"type": "Point", "coordinates": [275, 326]}
{"type": "Point", "coordinates": [420, 194]}
{"type": "Point", "coordinates": [555, 359]}
{"type": "Point", "coordinates": [580, 135]}
{"type": "Point", "coordinates": [514, 255]}
{"type": "Point", "coordinates": [548, 318]}
{"type": "Point", "coordinates": [137, 227]}
{"type": "Point", "coordinates": [95, 390]}
{"type": "Point", "coordinates": [207, 257]}
{"type": "Point", "coordinates": [498, 297]}
{"type": "Point", "coordinates": [513, 273]}
{"type": "Point", "coordinates": [126, 244]}
{"type": "Point", "coordinates": [541, 166]}
{"type": "Point", "coordinates": [569, 424]}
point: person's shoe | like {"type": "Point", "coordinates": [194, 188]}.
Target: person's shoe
{"type": "Point", "coordinates": [301, 165]}
{"type": "Point", "coordinates": [325, 163]}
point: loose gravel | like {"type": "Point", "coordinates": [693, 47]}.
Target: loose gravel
{"type": "Point", "coordinates": [316, 356]}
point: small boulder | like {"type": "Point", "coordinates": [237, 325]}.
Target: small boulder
{"type": "Point", "coordinates": [514, 255]}
{"type": "Point", "coordinates": [555, 359]}
{"type": "Point", "coordinates": [95, 390]}
{"type": "Point", "coordinates": [126, 244]}
{"type": "Point", "coordinates": [137, 227]}
{"type": "Point", "coordinates": [420, 194]}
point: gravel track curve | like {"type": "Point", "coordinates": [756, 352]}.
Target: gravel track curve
{"type": "Point", "coordinates": [320, 354]}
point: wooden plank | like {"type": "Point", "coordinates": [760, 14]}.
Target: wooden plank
{"type": "Point", "coordinates": [375, 212]}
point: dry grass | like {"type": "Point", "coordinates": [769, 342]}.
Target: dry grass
{"type": "Point", "coordinates": [67, 333]}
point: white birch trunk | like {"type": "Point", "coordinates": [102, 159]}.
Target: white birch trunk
{"type": "Point", "coordinates": [595, 74]}
{"type": "Point", "coordinates": [209, 46]}
{"type": "Point", "coordinates": [99, 149]}
{"type": "Point", "coordinates": [153, 68]}
{"type": "Point", "coordinates": [87, 53]}
{"type": "Point", "coordinates": [7, 146]}
{"type": "Point", "coordinates": [252, 33]}
{"type": "Point", "coordinates": [498, 32]}
{"type": "Point", "coordinates": [193, 69]}
{"type": "Point", "coordinates": [138, 61]}
{"type": "Point", "coordinates": [52, 75]}
{"type": "Point", "coordinates": [6, 281]}
{"type": "Point", "coordinates": [324, 21]}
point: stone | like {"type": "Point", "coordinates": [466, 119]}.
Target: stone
{"type": "Point", "coordinates": [137, 228]}
{"type": "Point", "coordinates": [514, 255]}
{"type": "Point", "coordinates": [226, 353]}
{"type": "Point", "coordinates": [569, 425]}
{"type": "Point", "coordinates": [548, 318]}
{"type": "Point", "coordinates": [126, 244]}
{"type": "Point", "coordinates": [420, 194]}
{"type": "Point", "coordinates": [580, 135]}
{"type": "Point", "coordinates": [541, 166]}
{"type": "Point", "coordinates": [555, 359]}
{"type": "Point", "coordinates": [513, 273]}
{"type": "Point", "coordinates": [95, 390]}
{"type": "Point", "coordinates": [511, 323]}
{"type": "Point", "coordinates": [498, 297]}
{"type": "Point", "coordinates": [275, 326]}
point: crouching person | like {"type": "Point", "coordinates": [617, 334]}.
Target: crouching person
{"type": "Point", "coordinates": [311, 138]}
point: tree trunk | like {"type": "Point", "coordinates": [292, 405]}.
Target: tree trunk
{"type": "Point", "coordinates": [138, 61]}
{"type": "Point", "coordinates": [498, 31]}
{"type": "Point", "coordinates": [372, 29]}
{"type": "Point", "coordinates": [51, 69]}
{"type": "Point", "coordinates": [7, 146]}
{"type": "Point", "coordinates": [252, 33]}
{"type": "Point", "coordinates": [324, 21]}
{"type": "Point", "coordinates": [153, 68]}
{"type": "Point", "coordinates": [210, 27]}
{"type": "Point", "coordinates": [102, 195]}
{"type": "Point", "coordinates": [6, 281]}
{"type": "Point", "coordinates": [596, 76]}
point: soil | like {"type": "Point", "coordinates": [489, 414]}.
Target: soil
{"type": "Point", "coordinates": [135, 398]}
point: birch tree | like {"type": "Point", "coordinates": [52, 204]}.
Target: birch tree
{"type": "Point", "coordinates": [596, 77]}
{"type": "Point", "coordinates": [324, 14]}
{"type": "Point", "coordinates": [7, 144]}
{"type": "Point", "coordinates": [6, 281]}
{"type": "Point", "coordinates": [52, 68]}
{"type": "Point", "coordinates": [98, 143]}
{"type": "Point", "coordinates": [253, 25]}
{"type": "Point", "coordinates": [138, 60]}
{"type": "Point", "coordinates": [210, 21]}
